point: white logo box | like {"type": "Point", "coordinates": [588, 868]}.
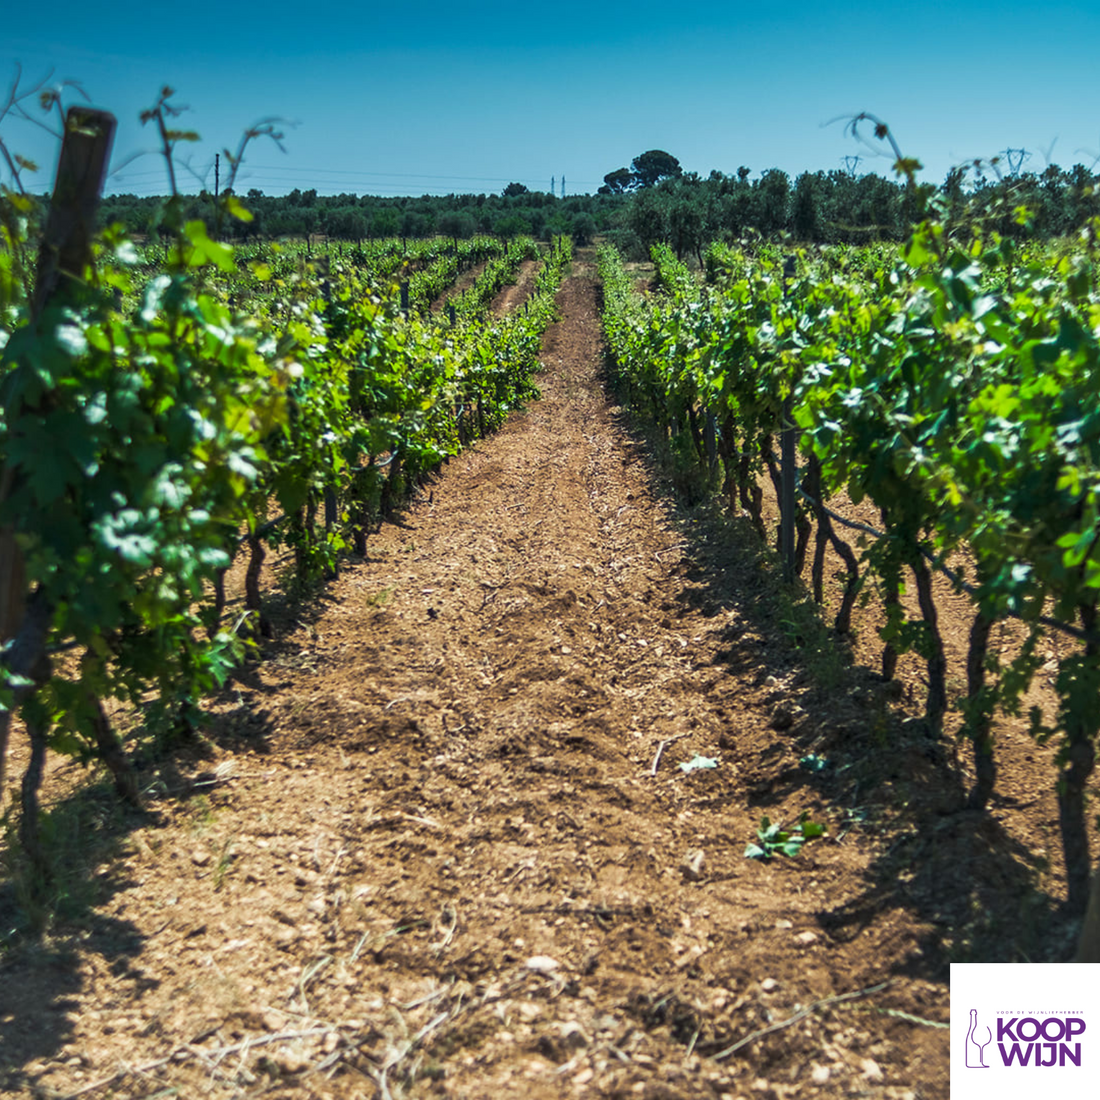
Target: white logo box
{"type": "Point", "coordinates": [1018, 1028]}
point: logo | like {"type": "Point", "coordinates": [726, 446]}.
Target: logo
{"type": "Point", "coordinates": [1011, 1019]}
{"type": "Point", "coordinates": [1027, 1040]}
{"type": "Point", "coordinates": [975, 1048]}
{"type": "Point", "coordinates": [1024, 1040]}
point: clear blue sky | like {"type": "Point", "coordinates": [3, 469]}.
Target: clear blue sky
{"type": "Point", "coordinates": [414, 98]}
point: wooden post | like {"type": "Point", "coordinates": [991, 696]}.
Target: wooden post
{"type": "Point", "coordinates": [788, 455]}
{"type": "Point", "coordinates": [451, 314]}
{"type": "Point", "coordinates": [405, 297]}
{"type": "Point", "coordinates": [67, 242]}
{"type": "Point", "coordinates": [64, 254]}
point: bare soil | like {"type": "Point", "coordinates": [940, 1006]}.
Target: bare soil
{"type": "Point", "coordinates": [516, 293]}
{"type": "Point", "coordinates": [440, 842]}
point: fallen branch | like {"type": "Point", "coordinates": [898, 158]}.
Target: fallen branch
{"type": "Point", "coordinates": [800, 1015]}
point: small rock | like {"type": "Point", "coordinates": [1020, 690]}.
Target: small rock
{"type": "Point", "coordinates": [331, 1042]}
{"type": "Point", "coordinates": [573, 1035]}
{"type": "Point", "coordinates": [542, 964]}
{"type": "Point", "coordinates": [584, 1077]}
{"type": "Point", "coordinates": [871, 1069]}
{"type": "Point", "coordinates": [819, 1074]}
{"type": "Point", "coordinates": [200, 858]}
{"type": "Point", "coordinates": [769, 985]}
{"type": "Point", "coordinates": [691, 866]}
{"type": "Point", "coordinates": [566, 650]}
{"type": "Point", "coordinates": [782, 717]}
{"type": "Point", "coordinates": [806, 938]}
{"type": "Point", "coordinates": [783, 925]}
{"type": "Point", "coordinates": [291, 1061]}
{"type": "Point", "coordinates": [274, 1021]}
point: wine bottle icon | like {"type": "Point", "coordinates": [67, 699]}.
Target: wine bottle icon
{"type": "Point", "coordinates": [975, 1051]}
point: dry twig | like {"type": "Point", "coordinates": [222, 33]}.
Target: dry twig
{"type": "Point", "coordinates": [801, 1014]}
{"type": "Point", "coordinates": [661, 748]}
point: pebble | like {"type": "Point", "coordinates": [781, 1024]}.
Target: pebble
{"type": "Point", "coordinates": [291, 1061]}
{"type": "Point", "coordinates": [819, 1074]}
{"type": "Point", "coordinates": [200, 858]}
{"type": "Point", "coordinates": [769, 985]}
{"type": "Point", "coordinates": [542, 964]}
{"type": "Point", "coordinates": [871, 1069]}
{"type": "Point", "coordinates": [691, 866]}
{"type": "Point", "coordinates": [806, 938]}
{"type": "Point", "coordinates": [573, 1035]}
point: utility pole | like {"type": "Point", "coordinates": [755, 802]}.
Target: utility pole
{"type": "Point", "coordinates": [563, 187]}
{"type": "Point", "coordinates": [553, 183]}
{"type": "Point", "coordinates": [217, 174]}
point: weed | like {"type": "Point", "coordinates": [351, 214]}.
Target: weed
{"type": "Point", "coordinates": [380, 598]}
{"type": "Point", "coordinates": [775, 839]}
{"type": "Point", "coordinates": [225, 861]}
{"type": "Point", "coordinates": [202, 814]}
{"type": "Point", "coordinates": [802, 625]}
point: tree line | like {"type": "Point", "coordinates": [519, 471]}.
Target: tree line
{"type": "Point", "coordinates": [658, 202]}
{"type": "Point", "coordinates": [687, 211]}
{"type": "Point", "coordinates": [353, 217]}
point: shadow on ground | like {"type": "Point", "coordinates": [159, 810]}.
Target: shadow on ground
{"type": "Point", "coordinates": [957, 871]}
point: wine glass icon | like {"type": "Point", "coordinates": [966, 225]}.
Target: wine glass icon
{"type": "Point", "coordinates": [975, 1050]}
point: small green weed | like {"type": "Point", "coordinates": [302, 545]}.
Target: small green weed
{"type": "Point", "coordinates": [381, 598]}
{"type": "Point", "coordinates": [225, 861]}
{"type": "Point", "coordinates": [774, 838]}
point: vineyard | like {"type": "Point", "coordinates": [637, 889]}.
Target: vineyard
{"type": "Point", "coordinates": [466, 667]}
{"type": "Point", "coordinates": [953, 391]}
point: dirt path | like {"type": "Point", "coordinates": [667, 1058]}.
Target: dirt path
{"type": "Point", "coordinates": [442, 845]}
{"type": "Point", "coordinates": [463, 283]}
{"type": "Point", "coordinates": [516, 293]}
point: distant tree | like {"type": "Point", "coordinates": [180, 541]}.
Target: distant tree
{"type": "Point", "coordinates": [772, 201]}
{"type": "Point", "coordinates": [584, 229]}
{"type": "Point", "coordinates": [654, 166]}
{"type": "Point", "coordinates": [512, 225]}
{"type": "Point", "coordinates": [514, 189]}
{"type": "Point", "coordinates": [647, 219]}
{"type": "Point", "coordinates": [386, 222]}
{"type": "Point", "coordinates": [346, 223]}
{"type": "Point", "coordinates": [454, 224]}
{"type": "Point", "coordinates": [806, 206]}
{"type": "Point", "coordinates": [617, 182]}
